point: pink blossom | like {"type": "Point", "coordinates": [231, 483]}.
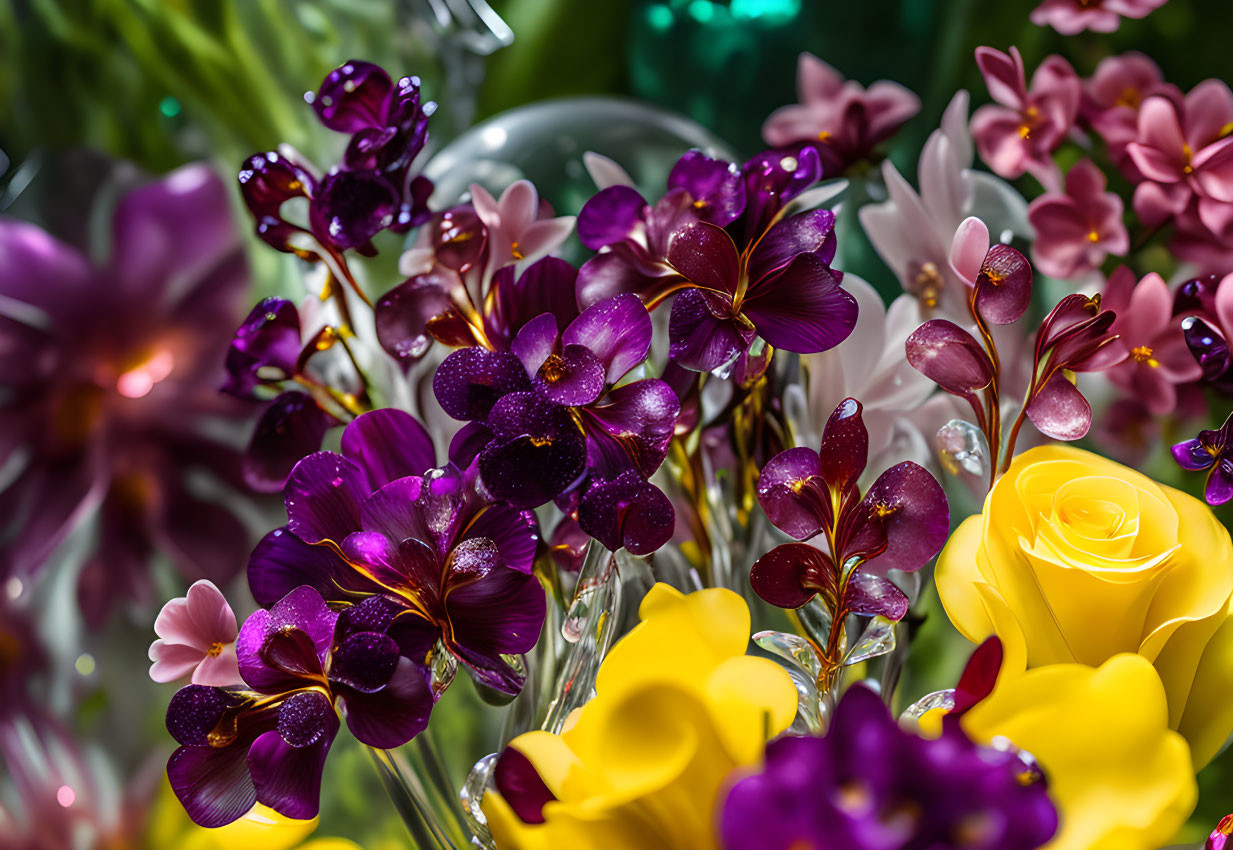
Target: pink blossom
{"type": "Point", "coordinates": [1158, 357]}
{"type": "Point", "coordinates": [1186, 152]}
{"type": "Point", "coordinates": [520, 228]}
{"type": "Point", "coordinates": [1075, 231]}
{"type": "Point", "coordinates": [1112, 99]}
{"type": "Point", "coordinates": [197, 635]}
{"type": "Point", "coordinates": [848, 119]}
{"type": "Point", "coordinates": [1074, 16]}
{"type": "Point", "coordinates": [1021, 130]}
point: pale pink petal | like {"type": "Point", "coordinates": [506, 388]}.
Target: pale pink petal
{"type": "Point", "coordinates": [1224, 304]}
{"type": "Point", "coordinates": [543, 237]}
{"type": "Point", "coordinates": [605, 172]}
{"type": "Point", "coordinates": [175, 624]}
{"type": "Point", "coordinates": [941, 180]}
{"type": "Point", "coordinates": [816, 80]}
{"type": "Point", "coordinates": [212, 616]}
{"type": "Point", "coordinates": [173, 661]}
{"type": "Point", "coordinates": [1209, 111]}
{"type": "Point", "coordinates": [519, 206]}
{"type": "Point", "coordinates": [1217, 216]}
{"type": "Point", "coordinates": [1003, 75]}
{"type": "Point", "coordinates": [1085, 180]}
{"type": "Point", "coordinates": [1155, 203]}
{"type": "Point", "coordinates": [792, 123]}
{"type": "Point", "coordinates": [955, 128]}
{"type": "Point", "coordinates": [995, 130]}
{"type": "Point", "coordinates": [967, 251]}
{"type": "Point", "coordinates": [220, 670]}
{"type": "Point", "coordinates": [485, 206]}
{"type": "Point", "coordinates": [1148, 312]}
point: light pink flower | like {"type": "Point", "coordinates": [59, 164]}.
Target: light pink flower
{"type": "Point", "coordinates": [1022, 129]}
{"type": "Point", "coordinates": [1158, 357]}
{"type": "Point", "coordinates": [197, 635]}
{"type": "Point", "coordinates": [1074, 16]}
{"type": "Point", "coordinates": [520, 229]}
{"type": "Point", "coordinates": [1112, 99]}
{"type": "Point", "coordinates": [913, 232]}
{"type": "Point", "coordinates": [846, 118]}
{"type": "Point", "coordinates": [1186, 152]}
{"type": "Point", "coordinates": [1077, 230]}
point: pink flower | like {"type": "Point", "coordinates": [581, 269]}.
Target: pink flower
{"type": "Point", "coordinates": [520, 228]}
{"type": "Point", "coordinates": [1112, 99]}
{"type": "Point", "coordinates": [1075, 231]}
{"type": "Point", "coordinates": [846, 118]}
{"type": "Point", "coordinates": [1158, 357]}
{"type": "Point", "coordinates": [1020, 132]}
{"type": "Point", "coordinates": [1186, 152]}
{"type": "Point", "coordinates": [1073, 16]}
{"type": "Point", "coordinates": [197, 635]}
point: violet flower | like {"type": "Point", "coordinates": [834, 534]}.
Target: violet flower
{"type": "Point", "coordinates": [1219, 839]}
{"type": "Point", "coordinates": [838, 117]}
{"type": "Point", "coordinates": [1022, 129]}
{"type": "Point", "coordinates": [377, 521]}
{"type": "Point", "coordinates": [740, 268]}
{"type": "Point", "coordinates": [869, 785]}
{"type": "Point", "coordinates": [901, 523]}
{"type": "Point", "coordinates": [109, 375]}
{"type": "Point", "coordinates": [267, 742]}
{"type": "Point", "coordinates": [1074, 16]}
{"type": "Point", "coordinates": [1205, 306]}
{"type": "Point", "coordinates": [549, 420]}
{"type": "Point", "coordinates": [197, 634]}
{"type": "Point", "coordinates": [1186, 157]}
{"type": "Point", "coordinates": [1075, 231]}
{"type": "Point", "coordinates": [371, 189]}
{"type": "Point", "coordinates": [1211, 451]}
{"type": "Point", "coordinates": [1157, 356]}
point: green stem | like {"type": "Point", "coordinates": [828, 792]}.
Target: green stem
{"type": "Point", "coordinates": [409, 796]}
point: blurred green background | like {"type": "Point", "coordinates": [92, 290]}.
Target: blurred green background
{"type": "Point", "coordinates": [163, 82]}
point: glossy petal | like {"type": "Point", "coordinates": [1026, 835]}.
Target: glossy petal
{"type": "Point", "coordinates": [789, 493]}
{"type": "Point", "coordinates": [287, 778]}
{"type": "Point", "coordinates": [212, 783]}
{"type": "Point", "coordinates": [471, 380]}
{"type": "Point", "coordinates": [845, 447]}
{"type": "Point", "coordinates": [788, 576]}
{"type": "Point", "coordinates": [351, 207]}
{"type": "Point", "coordinates": [802, 309]}
{"type": "Point", "coordinates": [912, 511]}
{"type": "Point", "coordinates": [610, 216]}
{"type": "Point", "coordinates": [364, 661]}
{"type": "Point", "coordinates": [291, 428]}
{"type": "Point", "coordinates": [810, 232]}
{"type": "Point", "coordinates": [323, 497]}
{"type": "Point", "coordinates": [1004, 285]}
{"type": "Point", "coordinates": [948, 355]}
{"type": "Point", "coordinates": [618, 331]}
{"type": "Point", "coordinates": [873, 596]}
{"type": "Point", "coordinates": [628, 512]}
{"type": "Point", "coordinates": [388, 443]}
{"type": "Point", "coordinates": [406, 315]}
{"type": "Point", "coordinates": [499, 614]}
{"type": "Point", "coordinates": [714, 185]}
{"type": "Point", "coordinates": [267, 341]}
{"type": "Point", "coordinates": [573, 378]}
{"type": "Point", "coordinates": [702, 333]}
{"type": "Point", "coordinates": [632, 427]}
{"type": "Point", "coordinates": [353, 97]}
{"type": "Point", "coordinates": [515, 779]}
{"type": "Point", "coordinates": [395, 714]}
{"type": "Point", "coordinates": [705, 256]}
{"type": "Point", "coordinates": [281, 562]}
{"type": "Point", "coordinates": [537, 453]}
{"type": "Point", "coordinates": [1059, 410]}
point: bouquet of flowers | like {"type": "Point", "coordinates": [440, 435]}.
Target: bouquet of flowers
{"type": "Point", "coordinates": [674, 491]}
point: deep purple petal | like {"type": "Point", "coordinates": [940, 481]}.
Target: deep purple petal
{"type": "Point", "coordinates": [287, 642]}
{"type": "Point", "coordinates": [573, 378]}
{"type": "Point", "coordinates": [870, 596]}
{"type": "Point", "coordinates": [405, 316]}
{"type": "Point", "coordinates": [772, 178]}
{"type": "Point", "coordinates": [364, 661]}
{"type": "Point", "coordinates": [1209, 348]}
{"type": "Point", "coordinates": [194, 712]}
{"type": "Point", "coordinates": [291, 427]}
{"type": "Point", "coordinates": [803, 308]}
{"type": "Point", "coordinates": [1220, 483]}
{"type": "Point", "coordinates": [282, 562]}
{"type": "Point", "coordinates": [266, 182]}
{"type": "Point", "coordinates": [212, 783]}
{"type": "Point", "coordinates": [948, 355]}
{"type": "Point", "coordinates": [632, 427]}
{"type": "Point", "coordinates": [471, 380]}
{"type": "Point", "coordinates": [547, 285]}
{"type": "Point", "coordinates": [351, 207]}
{"type": "Point", "coordinates": [353, 97]}
{"type": "Point", "coordinates": [468, 442]}
{"type": "Point", "coordinates": [265, 347]}
{"type": "Point", "coordinates": [520, 786]}
{"type": "Point", "coordinates": [788, 576]}
{"type": "Point", "coordinates": [715, 186]}
{"type": "Point", "coordinates": [617, 330]}
{"type": "Point", "coordinates": [499, 614]}
{"type": "Point", "coordinates": [393, 715]}
{"type": "Point", "coordinates": [1004, 286]}
{"type": "Point", "coordinates": [536, 341]}
{"type": "Point", "coordinates": [789, 493]}
{"type": "Point", "coordinates": [388, 443]}
{"type": "Point", "coordinates": [514, 533]}
{"type": "Point", "coordinates": [1193, 455]}
{"type": "Point", "coordinates": [627, 512]}
{"type": "Point", "coordinates": [304, 718]}
{"type": "Point", "coordinates": [1059, 410]}
{"type": "Point", "coordinates": [395, 511]}
{"type": "Point", "coordinates": [911, 508]}
{"type": "Point", "coordinates": [568, 544]}
{"type": "Point", "coordinates": [323, 497]}
{"type": "Point", "coordinates": [287, 778]}
{"type": "Point", "coordinates": [702, 334]}
{"type": "Point", "coordinates": [705, 256]}
{"type": "Point", "coordinates": [610, 216]}
{"type": "Point", "coordinates": [845, 447]}
{"type": "Point", "coordinates": [810, 232]}
{"type": "Point", "coordinates": [537, 453]}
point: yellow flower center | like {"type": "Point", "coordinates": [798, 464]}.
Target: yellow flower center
{"type": "Point", "coordinates": [1093, 236]}
{"type": "Point", "coordinates": [1187, 155]}
{"type": "Point", "coordinates": [516, 251]}
{"type": "Point", "coordinates": [1144, 354]}
{"type": "Point", "coordinates": [215, 649]}
{"type": "Point", "coordinates": [929, 284]}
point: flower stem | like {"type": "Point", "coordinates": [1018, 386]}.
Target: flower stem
{"type": "Point", "coordinates": [410, 798]}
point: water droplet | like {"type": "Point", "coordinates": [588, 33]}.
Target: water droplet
{"type": "Point", "coordinates": [962, 446]}
{"type": "Point", "coordinates": [914, 712]}
{"type": "Point", "coordinates": [14, 588]}
{"type": "Point", "coordinates": [337, 482]}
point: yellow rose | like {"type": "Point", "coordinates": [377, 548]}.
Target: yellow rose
{"type": "Point", "coordinates": [1120, 778]}
{"type": "Point", "coordinates": [678, 706]}
{"type": "Point", "coordinates": [1077, 558]}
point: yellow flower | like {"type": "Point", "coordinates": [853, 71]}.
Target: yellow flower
{"type": "Point", "coordinates": [678, 706]}
{"type": "Point", "coordinates": [1077, 558]}
{"type": "Point", "coordinates": [1120, 778]}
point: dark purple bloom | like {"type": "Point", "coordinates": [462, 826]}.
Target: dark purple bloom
{"type": "Point", "coordinates": [291, 427]}
{"type": "Point", "coordinates": [372, 188]}
{"type": "Point", "coordinates": [1213, 451]}
{"type": "Point", "coordinates": [302, 662]}
{"type": "Point", "coordinates": [109, 377]}
{"type": "Point", "coordinates": [378, 522]}
{"type": "Point", "coordinates": [265, 349]}
{"type": "Point", "coordinates": [869, 785]}
{"type": "Point", "coordinates": [902, 521]}
{"type": "Point", "coordinates": [545, 417]}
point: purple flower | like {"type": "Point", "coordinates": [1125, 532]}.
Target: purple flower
{"type": "Point", "coordinates": [1211, 450]}
{"type": "Point", "coordinates": [378, 522]}
{"type": "Point", "coordinates": [901, 522]}
{"type": "Point", "coordinates": [267, 743]}
{"type": "Point", "coordinates": [370, 190]}
{"type": "Point", "coordinates": [548, 414]}
{"type": "Point", "coordinates": [868, 785]}
{"type": "Point", "coordinates": [109, 377]}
